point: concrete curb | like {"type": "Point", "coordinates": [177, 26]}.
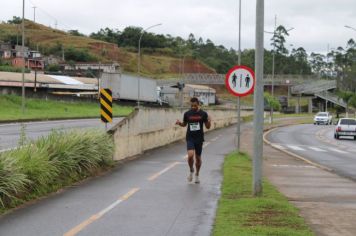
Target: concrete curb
{"type": "Point", "coordinates": [293, 154]}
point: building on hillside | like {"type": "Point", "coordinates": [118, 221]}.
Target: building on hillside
{"type": "Point", "coordinates": [5, 50]}
{"type": "Point", "coordinates": [18, 51]}
{"type": "Point", "coordinates": [33, 61]}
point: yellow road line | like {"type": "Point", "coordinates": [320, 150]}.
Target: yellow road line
{"type": "Point", "coordinates": [156, 175]}
{"type": "Point", "coordinates": [97, 216]}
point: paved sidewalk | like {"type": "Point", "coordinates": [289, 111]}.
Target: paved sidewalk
{"type": "Point", "coordinates": [326, 200]}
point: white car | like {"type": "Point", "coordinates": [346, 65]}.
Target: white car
{"type": "Point", "coordinates": [345, 127]}
{"type": "Point", "coordinates": [323, 118]}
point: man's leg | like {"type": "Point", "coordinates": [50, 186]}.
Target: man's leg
{"type": "Point", "coordinates": [190, 151]}
{"type": "Point", "coordinates": [197, 164]}
{"type": "Point", "coordinates": [191, 160]}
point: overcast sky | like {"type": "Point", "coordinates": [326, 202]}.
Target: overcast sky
{"type": "Point", "coordinates": [316, 23]}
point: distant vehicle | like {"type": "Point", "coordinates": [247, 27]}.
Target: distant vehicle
{"type": "Point", "coordinates": [125, 87]}
{"type": "Point", "coordinates": [323, 118]}
{"type": "Point", "coordinates": [345, 127]}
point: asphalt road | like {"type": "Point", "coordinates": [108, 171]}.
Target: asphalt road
{"type": "Point", "coordinates": [10, 133]}
{"type": "Point", "coordinates": [147, 196]}
{"type": "Point", "coordinates": [317, 144]}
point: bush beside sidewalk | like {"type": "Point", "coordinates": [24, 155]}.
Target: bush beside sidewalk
{"type": "Point", "coordinates": [40, 167]}
{"type": "Point", "coordinates": [241, 214]}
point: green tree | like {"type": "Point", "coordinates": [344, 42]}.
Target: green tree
{"type": "Point", "coordinates": [15, 20]}
{"type": "Point", "coordinates": [78, 55]}
{"type": "Point", "coordinates": [75, 33]}
{"type": "Point", "coordinates": [317, 63]}
{"type": "Point", "coordinates": [279, 39]}
{"type": "Point", "coordinates": [347, 97]}
{"type": "Point", "coordinates": [271, 102]}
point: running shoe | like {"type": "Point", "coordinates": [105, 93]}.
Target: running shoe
{"type": "Point", "coordinates": [197, 181]}
{"type": "Point", "coordinates": [190, 177]}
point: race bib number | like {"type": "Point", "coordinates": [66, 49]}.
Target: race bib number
{"type": "Point", "coordinates": [194, 126]}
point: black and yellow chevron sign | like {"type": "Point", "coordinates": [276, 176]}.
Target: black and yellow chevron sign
{"type": "Point", "coordinates": [106, 105]}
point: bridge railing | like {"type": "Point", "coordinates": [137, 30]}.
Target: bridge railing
{"type": "Point", "coordinates": [314, 87]}
{"type": "Point", "coordinates": [197, 78]}
{"type": "Point", "coordinates": [331, 97]}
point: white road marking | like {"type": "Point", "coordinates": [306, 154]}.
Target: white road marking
{"type": "Point", "coordinates": [316, 149]}
{"type": "Point", "coordinates": [337, 150]}
{"type": "Point", "coordinates": [295, 148]}
{"type": "Point", "coordinates": [294, 166]}
{"type": "Point", "coordinates": [155, 176]}
{"type": "Point", "coordinates": [84, 224]}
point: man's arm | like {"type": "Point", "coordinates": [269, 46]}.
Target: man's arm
{"type": "Point", "coordinates": [208, 123]}
{"type": "Point", "coordinates": [182, 124]}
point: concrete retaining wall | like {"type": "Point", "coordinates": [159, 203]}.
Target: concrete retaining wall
{"type": "Point", "coordinates": [145, 129]}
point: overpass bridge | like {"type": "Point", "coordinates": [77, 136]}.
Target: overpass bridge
{"type": "Point", "coordinates": [311, 86]}
{"type": "Point", "coordinates": [219, 79]}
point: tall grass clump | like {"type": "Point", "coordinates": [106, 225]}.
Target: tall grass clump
{"type": "Point", "coordinates": [59, 159]}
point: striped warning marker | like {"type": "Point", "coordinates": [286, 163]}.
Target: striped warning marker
{"type": "Point", "coordinates": [106, 105]}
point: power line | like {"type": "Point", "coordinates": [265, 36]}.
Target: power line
{"type": "Point", "coordinates": [50, 16]}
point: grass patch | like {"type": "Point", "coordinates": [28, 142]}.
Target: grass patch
{"type": "Point", "coordinates": [50, 163]}
{"type": "Point", "coordinates": [241, 214]}
{"type": "Point", "coordinates": [48, 109]}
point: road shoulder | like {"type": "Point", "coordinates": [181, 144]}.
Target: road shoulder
{"type": "Point", "coordinates": [326, 200]}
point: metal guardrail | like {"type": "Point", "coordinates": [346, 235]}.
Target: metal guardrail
{"type": "Point", "coordinates": [199, 78]}
{"type": "Point", "coordinates": [314, 87]}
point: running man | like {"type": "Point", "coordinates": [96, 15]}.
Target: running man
{"type": "Point", "coordinates": [195, 118]}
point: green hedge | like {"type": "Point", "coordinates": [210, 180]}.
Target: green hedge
{"type": "Point", "coordinates": [13, 69]}
{"type": "Point", "coordinates": [46, 165]}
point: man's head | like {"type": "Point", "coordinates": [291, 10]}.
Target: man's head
{"type": "Point", "coordinates": [194, 103]}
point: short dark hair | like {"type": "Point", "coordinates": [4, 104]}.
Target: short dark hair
{"type": "Point", "coordinates": [194, 99]}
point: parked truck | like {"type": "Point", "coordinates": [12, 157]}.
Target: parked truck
{"type": "Point", "coordinates": [126, 87]}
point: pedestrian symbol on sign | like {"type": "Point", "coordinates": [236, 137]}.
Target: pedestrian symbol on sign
{"type": "Point", "coordinates": [247, 81]}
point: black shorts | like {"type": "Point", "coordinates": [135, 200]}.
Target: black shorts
{"type": "Point", "coordinates": [197, 146]}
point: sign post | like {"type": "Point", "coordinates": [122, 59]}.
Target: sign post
{"type": "Point", "coordinates": [106, 106]}
{"type": "Point", "coordinates": [240, 82]}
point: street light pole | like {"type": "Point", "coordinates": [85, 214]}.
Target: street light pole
{"type": "Point", "coordinates": [139, 61]}
{"type": "Point", "coordinates": [273, 64]}
{"type": "Point", "coordinates": [34, 13]}
{"type": "Point", "coordinates": [238, 131]}
{"type": "Point", "coordinates": [349, 27]}
{"type": "Point", "coordinates": [258, 102]}
{"type": "Point", "coordinates": [23, 58]}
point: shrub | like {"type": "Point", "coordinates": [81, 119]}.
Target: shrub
{"type": "Point", "coordinates": [51, 162]}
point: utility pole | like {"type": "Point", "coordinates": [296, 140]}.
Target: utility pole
{"type": "Point", "coordinates": [273, 64]}
{"type": "Point", "coordinates": [34, 14]}
{"type": "Point", "coordinates": [258, 101]}
{"type": "Point", "coordinates": [23, 58]}
{"type": "Point", "coordinates": [139, 62]}
{"type": "Point", "coordinates": [238, 98]}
